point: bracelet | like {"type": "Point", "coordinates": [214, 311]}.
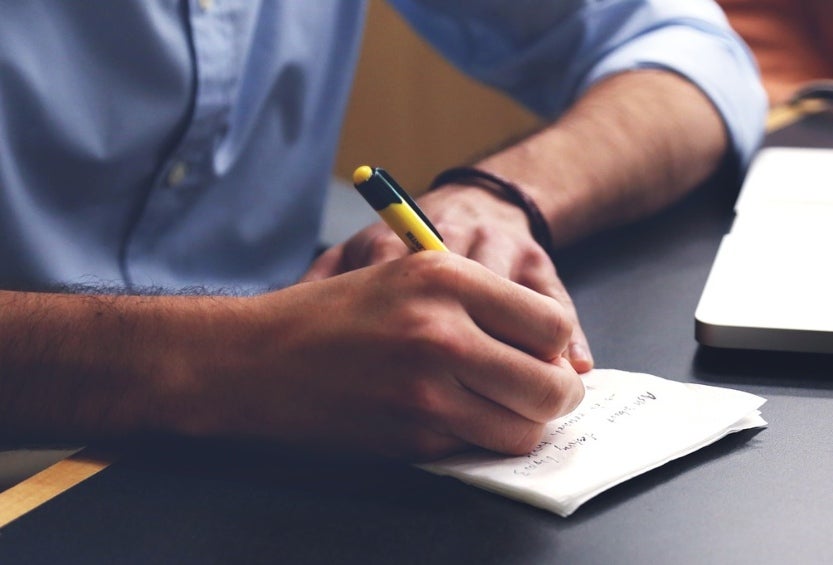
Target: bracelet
{"type": "Point", "coordinates": [509, 190]}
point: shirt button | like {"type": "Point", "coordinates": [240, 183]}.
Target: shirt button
{"type": "Point", "coordinates": [206, 5]}
{"type": "Point", "coordinates": [177, 173]}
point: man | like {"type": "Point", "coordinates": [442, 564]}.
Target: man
{"type": "Point", "coordinates": [792, 40]}
{"type": "Point", "coordinates": [154, 147]}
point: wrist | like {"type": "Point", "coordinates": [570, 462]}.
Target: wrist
{"type": "Point", "coordinates": [507, 190]}
{"type": "Point", "coordinates": [203, 349]}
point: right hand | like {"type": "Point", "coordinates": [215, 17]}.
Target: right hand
{"type": "Point", "coordinates": [415, 358]}
{"type": "Point", "coordinates": [477, 224]}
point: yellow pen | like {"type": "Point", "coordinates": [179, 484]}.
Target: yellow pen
{"type": "Point", "coordinates": [397, 209]}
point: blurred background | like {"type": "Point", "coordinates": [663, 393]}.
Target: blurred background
{"type": "Point", "coordinates": [435, 117]}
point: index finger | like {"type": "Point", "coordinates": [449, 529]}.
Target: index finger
{"type": "Point", "coordinates": [544, 279]}
{"type": "Point", "coordinates": [513, 313]}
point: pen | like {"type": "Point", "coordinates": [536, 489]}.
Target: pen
{"type": "Point", "coordinates": [397, 209]}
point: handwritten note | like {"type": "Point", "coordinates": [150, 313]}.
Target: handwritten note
{"type": "Point", "coordinates": [628, 423]}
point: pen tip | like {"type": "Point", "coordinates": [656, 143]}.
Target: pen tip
{"type": "Point", "coordinates": [361, 174]}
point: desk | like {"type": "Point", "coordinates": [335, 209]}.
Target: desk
{"type": "Point", "coordinates": [754, 497]}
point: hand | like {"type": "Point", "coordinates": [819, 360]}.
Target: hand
{"type": "Point", "coordinates": [416, 358]}
{"type": "Point", "coordinates": [478, 225]}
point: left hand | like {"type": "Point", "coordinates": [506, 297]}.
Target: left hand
{"type": "Point", "coordinates": [479, 225]}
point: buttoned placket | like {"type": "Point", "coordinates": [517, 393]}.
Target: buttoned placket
{"type": "Point", "coordinates": [189, 165]}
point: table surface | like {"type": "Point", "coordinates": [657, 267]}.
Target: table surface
{"type": "Point", "coordinates": [754, 497]}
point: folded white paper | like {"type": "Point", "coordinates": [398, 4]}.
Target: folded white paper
{"type": "Point", "coordinates": [628, 423]}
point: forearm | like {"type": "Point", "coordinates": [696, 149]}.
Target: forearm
{"type": "Point", "coordinates": [632, 144]}
{"type": "Point", "coordinates": [413, 358]}
{"type": "Point", "coordinates": [78, 367]}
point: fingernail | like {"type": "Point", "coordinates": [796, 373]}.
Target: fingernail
{"type": "Point", "coordinates": [578, 352]}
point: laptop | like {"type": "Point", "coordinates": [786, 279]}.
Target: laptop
{"type": "Point", "coordinates": [771, 284]}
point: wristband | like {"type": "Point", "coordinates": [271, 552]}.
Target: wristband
{"type": "Point", "coordinates": [509, 190]}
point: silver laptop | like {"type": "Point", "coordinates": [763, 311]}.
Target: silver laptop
{"type": "Point", "coordinates": [771, 284]}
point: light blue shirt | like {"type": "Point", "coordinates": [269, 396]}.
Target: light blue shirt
{"type": "Point", "coordinates": [178, 143]}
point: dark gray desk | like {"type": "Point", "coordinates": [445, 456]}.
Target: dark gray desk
{"type": "Point", "coordinates": [755, 497]}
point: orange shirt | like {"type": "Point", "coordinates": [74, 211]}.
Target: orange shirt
{"type": "Point", "coordinates": [792, 40]}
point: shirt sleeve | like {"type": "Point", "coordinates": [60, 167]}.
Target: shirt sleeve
{"type": "Point", "coordinates": [546, 53]}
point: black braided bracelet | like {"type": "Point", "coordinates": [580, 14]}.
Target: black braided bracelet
{"type": "Point", "coordinates": [509, 190]}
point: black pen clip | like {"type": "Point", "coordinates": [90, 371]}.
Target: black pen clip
{"type": "Point", "coordinates": [406, 198]}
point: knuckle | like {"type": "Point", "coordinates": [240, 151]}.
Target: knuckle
{"type": "Point", "coordinates": [531, 258]}
{"type": "Point", "coordinates": [423, 400]}
{"type": "Point", "coordinates": [486, 235]}
{"type": "Point", "coordinates": [452, 231]}
{"type": "Point", "coordinates": [561, 395]}
{"type": "Point", "coordinates": [432, 338]}
{"type": "Point", "coordinates": [381, 248]}
{"type": "Point", "coordinates": [550, 401]}
{"type": "Point", "coordinates": [558, 325]}
{"type": "Point", "coordinates": [442, 343]}
{"type": "Point", "coordinates": [537, 258]}
{"type": "Point", "coordinates": [438, 269]}
{"type": "Point", "coordinates": [527, 439]}
{"type": "Point", "coordinates": [577, 392]}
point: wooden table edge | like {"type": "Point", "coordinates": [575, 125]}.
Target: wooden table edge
{"type": "Point", "coordinates": [49, 483]}
{"type": "Point", "coordinates": [785, 115]}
